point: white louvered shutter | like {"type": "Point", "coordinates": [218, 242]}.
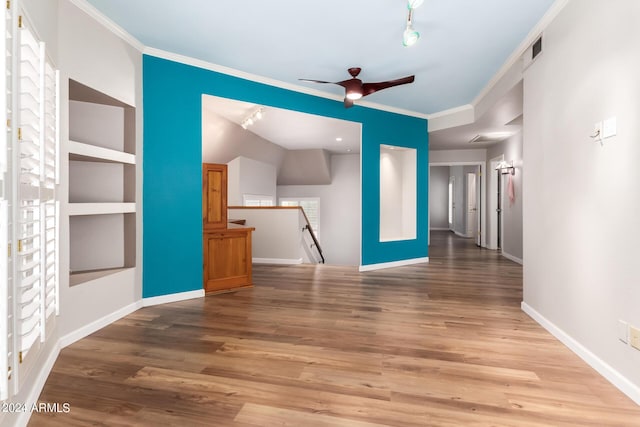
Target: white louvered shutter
{"type": "Point", "coordinates": [28, 259]}
{"type": "Point", "coordinates": [6, 289]}
{"type": "Point", "coordinates": [50, 210]}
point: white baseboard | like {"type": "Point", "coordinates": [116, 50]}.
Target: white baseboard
{"type": "Point", "coordinates": [180, 296]}
{"type": "Point", "coordinates": [371, 267]}
{"type": "Point", "coordinates": [96, 325]}
{"type": "Point", "coordinates": [614, 377]}
{"type": "Point", "coordinates": [281, 261]}
{"type": "Point", "coordinates": [38, 385]}
{"type": "Point", "coordinates": [512, 258]}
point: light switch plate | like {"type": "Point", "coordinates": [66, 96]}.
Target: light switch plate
{"type": "Point", "coordinates": [623, 331]}
{"type": "Point", "coordinates": [609, 127]}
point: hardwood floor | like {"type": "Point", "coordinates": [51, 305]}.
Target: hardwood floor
{"type": "Point", "coordinates": [438, 344]}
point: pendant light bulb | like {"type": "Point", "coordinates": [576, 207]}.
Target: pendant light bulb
{"type": "Point", "coordinates": [410, 36]}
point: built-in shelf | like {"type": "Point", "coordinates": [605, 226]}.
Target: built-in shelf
{"type": "Point", "coordinates": [79, 151]}
{"type": "Point", "coordinates": [102, 186]}
{"type": "Point", "coordinates": [100, 208]}
{"type": "Point", "coordinates": [78, 277]}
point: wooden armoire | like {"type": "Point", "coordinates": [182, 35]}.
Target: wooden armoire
{"type": "Point", "coordinates": [227, 247]}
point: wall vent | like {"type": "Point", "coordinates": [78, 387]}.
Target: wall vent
{"type": "Point", "coordinates": [536, 48]}
{"type": "Point", "coordinates": [532, 53]}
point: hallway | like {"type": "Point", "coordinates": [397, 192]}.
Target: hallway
{"type": "Point", "coordinates": [437, 344]}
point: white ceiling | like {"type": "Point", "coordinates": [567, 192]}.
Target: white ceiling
{"type": "Point", "coordinates": [504, 117]}
{"type": "Point", "coordinates": [290, 129]}
{"type": "Point", "coordinates": [463, 42]}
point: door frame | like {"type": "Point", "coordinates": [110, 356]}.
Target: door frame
{"type": "Point", "coordinates": [480, 196]}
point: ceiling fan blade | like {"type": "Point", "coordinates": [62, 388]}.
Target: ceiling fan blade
{"type": "Point", "coordinates": [315, 81]}
{"type": "Point", "coordinates": [348, 103]}
{"type": "Point", "coordinates": [369, 88]}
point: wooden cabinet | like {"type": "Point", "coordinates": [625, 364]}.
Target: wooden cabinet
{"type": "Point", "coordinates": [227, 247]}
{"type": "Point", "coordinates": [214, 196]}
{"type": "Point", "coordinates": [227, 255]}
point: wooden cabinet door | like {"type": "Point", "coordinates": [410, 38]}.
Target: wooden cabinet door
{"type": "Point", "coordinates": [214, 196]}
{"type": "Point", "coordinates": [227, 255]}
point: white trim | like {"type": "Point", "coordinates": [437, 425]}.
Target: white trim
{"type": "Point", "coordinates": [179, 296]}
{"type": "Point", "coordinates": [182, 59]}
{"type": "Point", "coordinates": [535, 32]}
{"type": "Point", "coordinates": [279, 261]}
{"type": "Point", "coordinates": [116, 29]}
{"type": "Point", "coordinates": [379, 266]}
{"type": "Point", "coordinates": [614, 377]}
{"type": "Point", "coordinates": [512, 258]}
{"type": "Point", "coordinates": [457, 233]}
{"type": "Point", "coordinates": [96, 325]}
{"type": "Point", "coordinates": [38, 385]}
{"type": "Point", "coordinates": [450, 111]}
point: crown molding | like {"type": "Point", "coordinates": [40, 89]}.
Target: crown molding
{"type": "Point", "coordinates": [515, 56]}
{"type": "Point", "coordinates": [187, 60]}
{"type": "Point", "coordinates": [94, 13]}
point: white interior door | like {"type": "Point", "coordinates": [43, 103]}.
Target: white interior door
{"type": "Point", "coordinates": [472, 207]}
{"type": "Point", "coordinates": [452, 203]}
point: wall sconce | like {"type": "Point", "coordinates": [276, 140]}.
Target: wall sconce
{"type": "Point", "coordinates": [258, 114]}
{"type": "Point", "coordinates": [505, 168]}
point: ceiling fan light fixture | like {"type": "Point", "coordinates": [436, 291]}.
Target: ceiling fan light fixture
{"type": "Point", "coordinates": [414, 4]}
{"type": "Point", "coordinates": [410, 36]}
{"type": "Point", "coordinates": [353, 95]}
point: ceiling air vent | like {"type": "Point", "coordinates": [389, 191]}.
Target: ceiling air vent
{"type": "Point", "coordinates": [488, 138]}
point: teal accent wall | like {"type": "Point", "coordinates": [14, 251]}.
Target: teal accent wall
{"type": "Point", "coordinates": [172, 163]}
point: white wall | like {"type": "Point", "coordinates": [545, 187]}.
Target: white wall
{"type": "Point", "coordinates": [277, 234]}
{"type": "Point", "coordinates": [339, 209]}
{"type": "Point", "coordinates": [248, 176]}
{"type": "Point", "coordinates": [94, 56]}
{"type": "Point", "coordinates": [511, 212]}
{"type": "Point", "coordinates": [457, 156]}
{"type": "Point", "coordinates": [439, 197]}
{"type": "Point", "coordinates": [581, 200]}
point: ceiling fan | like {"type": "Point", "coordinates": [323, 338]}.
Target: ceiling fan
{"type": "Point", "coordinates": [355, 89]}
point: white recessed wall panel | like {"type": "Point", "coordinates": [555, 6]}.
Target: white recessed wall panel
{"type": "Point", "coordinates": [97, 124]}
{"type": "Point", "coordinates": [98, 242]}
{"type": "Point", "coordinates": [398, 177]}
{"type": "Point", "coordinates": [96, 182]}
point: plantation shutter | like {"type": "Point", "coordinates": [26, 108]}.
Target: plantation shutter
{"type": "Point", "coordinates": [6, 301]}
{"type": "Point", "coordinates": [29, 256]}
{"type": "Point", "coordinates": [50, 208]}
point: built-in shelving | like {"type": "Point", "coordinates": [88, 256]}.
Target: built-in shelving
{"type": "Point", "coordinates": [102, 194]}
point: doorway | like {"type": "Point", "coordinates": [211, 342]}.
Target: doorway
{"type": "Point", "coordinates": [457, 201]}
{"type": "Point", "coordinates": [494, 205]}
{"type": "Point", "coordinates": [471, 206]}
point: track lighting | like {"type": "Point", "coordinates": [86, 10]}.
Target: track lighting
{"type": "Point", "coordinates": [411, 36]}
{"type": "Point", "coordinates": [256, 115]}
